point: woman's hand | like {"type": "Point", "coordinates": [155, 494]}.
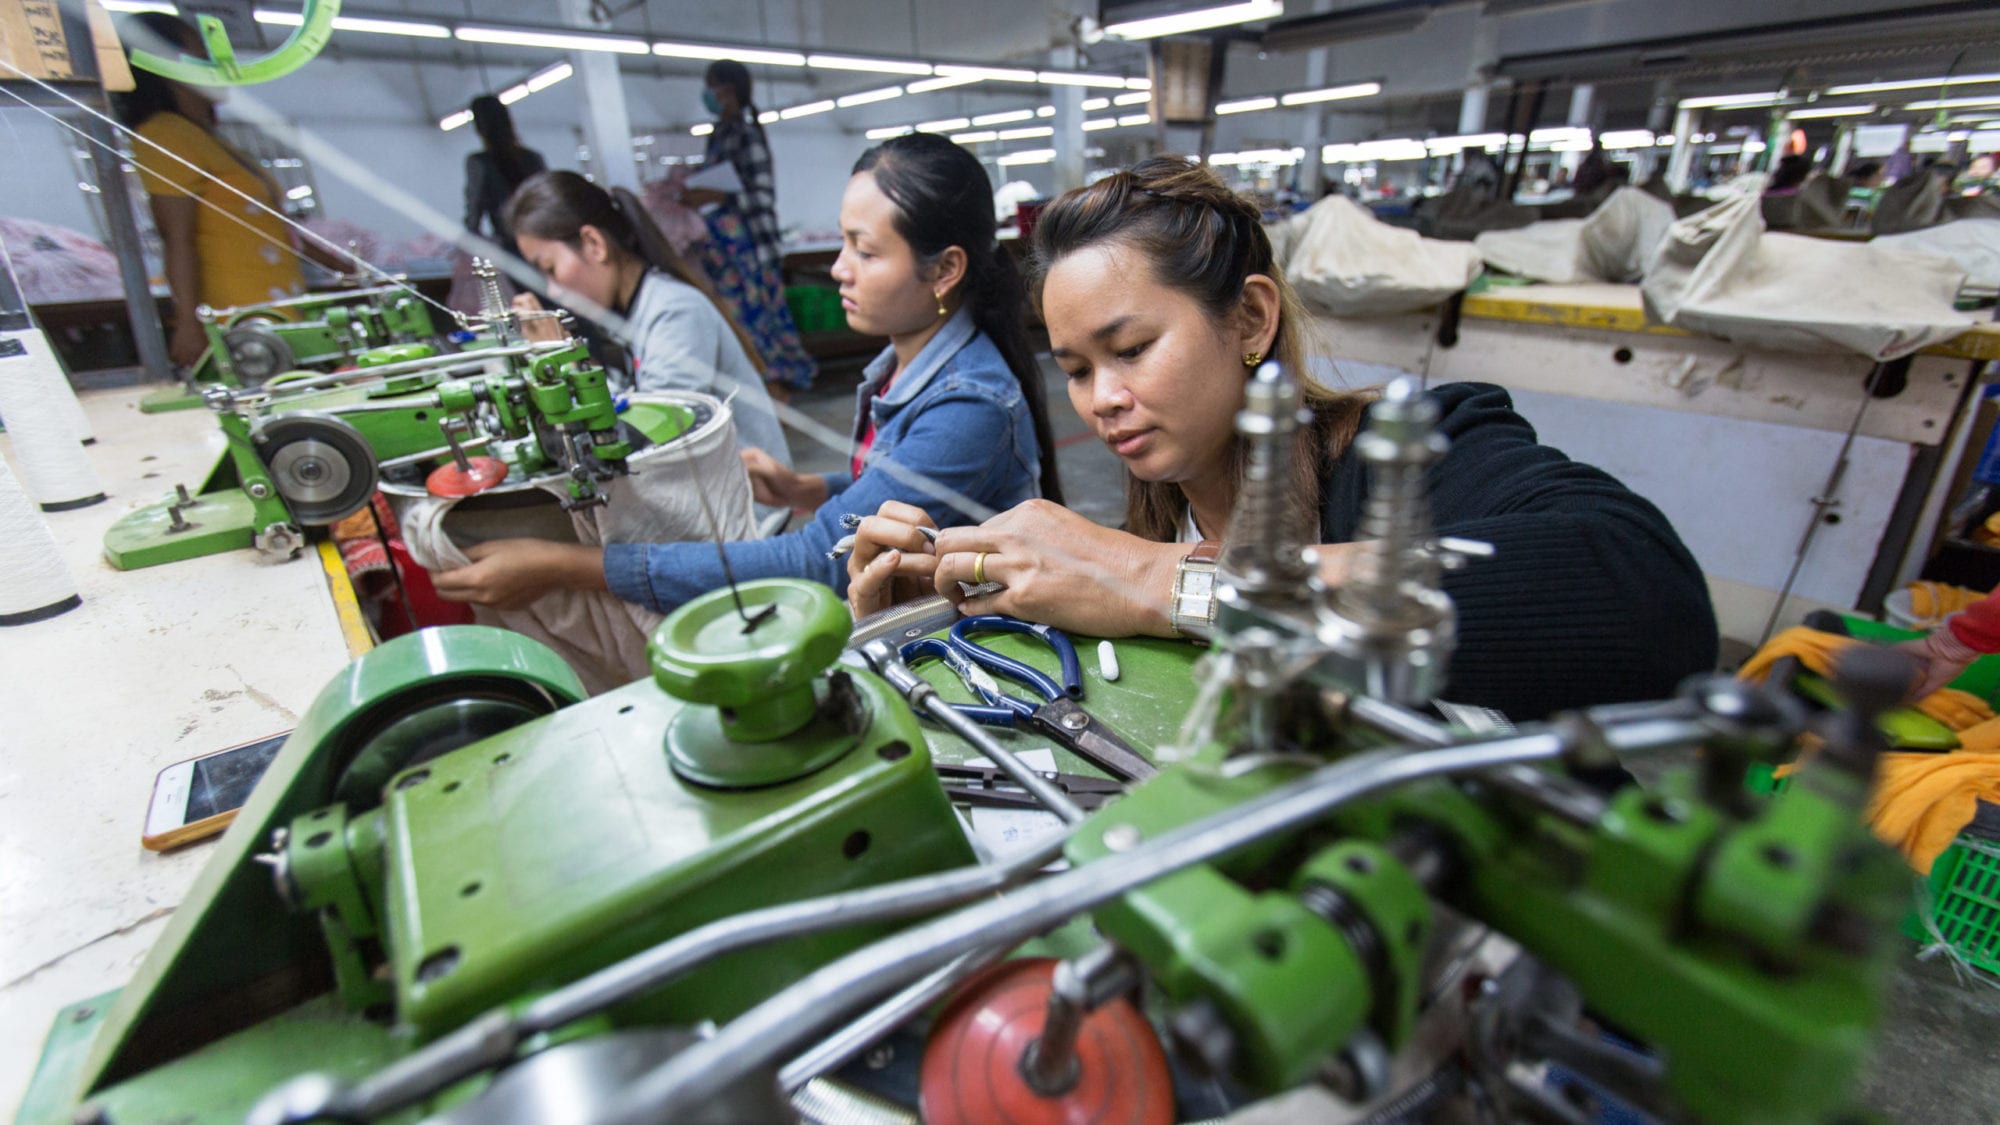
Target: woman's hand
{"type": "Point", "coordinates": [1940, 658]}
{"type": "Point", "coordinates": [780, 487]}
{"type": "Point", "coordinates": [1063, 570]}
{"type": "Point", "coordinates": [892, 561]}
{"type": "Point", "coordinates": [511, 573]}
{"type": "Point", "coordinates": [540, 328]}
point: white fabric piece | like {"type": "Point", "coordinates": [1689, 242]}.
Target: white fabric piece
{"type": "Point", "coordinates": [1721, 274]}
{"type": "Point", "coordinates": [658, 501]}
{"type": "Point", "coordinates": [1345, 261]}
{"type": "Point", "coordinates": [54, 467]}
{"type": "Point", "coordinates": [1612, 244]}
{"type": "Point", "coordinates": [1974, 244]}
{"type": "Point", "coordinates": [33, 575]}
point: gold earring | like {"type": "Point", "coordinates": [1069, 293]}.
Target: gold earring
{"type": "Point", "coordinates": [940, 298]}
{"type": "Point", "coordinates": [1252, 359]}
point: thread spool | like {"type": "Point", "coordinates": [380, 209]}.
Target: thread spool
{"type": "Point", "coordinates": [35, 583]}
{"type": "Point", "coordinates": [49, 366]}
{"type": "Point", "coordinates": [55, 471]}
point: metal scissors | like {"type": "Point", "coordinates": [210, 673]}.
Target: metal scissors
{"type": "Point", "coordinates": [1057, 714]}
{"type": "Point", "coordinates": [990, 787]}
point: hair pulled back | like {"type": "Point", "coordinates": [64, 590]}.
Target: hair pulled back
{"type": "Point", "coordinates": [943, 199]}
{"type": "Point", "coordinates": [557, 206]}
{"type": "Point", "coordinates": [1204, 240]}
{"type": "Point", "coordinates": [162, 33]}
{"type": "Point", "coordinates": [736, 76]}
{"type": "Point", "coordinates": [495, 126]}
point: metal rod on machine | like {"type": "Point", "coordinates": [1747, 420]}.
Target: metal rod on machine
{"type": "Point", "coordinates": [795, 1016]}
{"type": "Point", "coordinates": [491, 1039]}
{"type": "Point", "coordinates": [843, 1046]}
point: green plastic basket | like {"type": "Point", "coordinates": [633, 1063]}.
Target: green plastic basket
{"type": "Point", "coordinates": [1964, 903]}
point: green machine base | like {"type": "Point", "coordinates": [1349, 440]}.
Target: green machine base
{"type": "Point", "coordinates": [169, 398]}
{"type": "Point", "coordinates": [149, 536]}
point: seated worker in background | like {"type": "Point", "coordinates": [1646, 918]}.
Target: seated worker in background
{"type": "Point", "coordinates": [603, 247]}
{"type": "Point", "coordinates": [952, 406]}
{"type": "Point", "coordinates": [1161, 298]}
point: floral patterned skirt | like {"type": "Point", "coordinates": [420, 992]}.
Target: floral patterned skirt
{"type": "Point", "coordinates": [755, 294]}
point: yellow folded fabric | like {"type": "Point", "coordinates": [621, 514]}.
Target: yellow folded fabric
{"type": "Point", "coordinates": [1940, 599]}
{"type": "Point", "coordinates": [1921, 802]}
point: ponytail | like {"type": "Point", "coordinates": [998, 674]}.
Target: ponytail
{"type": "Point", "coordinates": [558, 205]}
{"type": "Point", "coordinates": [1205, 240]}
{"type": "Point", "coordinates": [943, 199]}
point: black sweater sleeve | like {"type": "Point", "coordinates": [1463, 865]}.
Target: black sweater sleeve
{"type": "Point", "coordinates": [1590, 596]}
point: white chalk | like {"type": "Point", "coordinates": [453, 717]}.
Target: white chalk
{"type": "Point", "coordinates": [1107, 660]}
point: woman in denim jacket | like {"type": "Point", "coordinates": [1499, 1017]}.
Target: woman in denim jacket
{"type": "Point", "coordinates": [950, 417]}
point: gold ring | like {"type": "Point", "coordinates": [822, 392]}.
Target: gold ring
{"type": "Point", "coordinates": [979, 569]}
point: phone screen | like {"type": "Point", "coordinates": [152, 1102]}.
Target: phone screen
{"type": "Point", "coordinates": [223, 782]}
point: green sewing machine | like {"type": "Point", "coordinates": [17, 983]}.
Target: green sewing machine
{"type": "Point", "coordinates": [739, 891]}
{"type": "Point", "coordinates": [251, 345]}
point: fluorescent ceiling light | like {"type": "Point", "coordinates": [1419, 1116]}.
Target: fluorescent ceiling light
{"type": "Point", "coordinates": [1558, 133]}
{"type": "Point", "coordinates": [944, 125]}
{"type": "Point", "coordinates": [886, 132]}
{"type": "Point", "coordinates": [299, 192]}
{"type": "Point", "coordinates": [740, 54]}
{"type": "Point", "coordinates": [1096, 123]}
{"type": "Point", "coordinates": [980, 137]}
{"type": "Point", "coordinates": [1135, 119]}
{"type": "Point", "coordinates": [1446, 146]}
{"type": "Point", "coordinates": [514, 93]}
{"type": "Point", "coordinates": [867, 96]}
{"type": "Point", "coordinates": [702, 130]}
{"type": "Point", "coordinates": [1004, 118]}
{"type": "Point", "coordinates": [452, 121]}
{"type": "Point", "coordinates": [1201, 19]}
{"type": "Point", "coordinates": [1333, 93]}
{"type": "Point", "coordinates": [872, 66]}
{"type": "Point", "coordinates": [988, 73]}
{"type": "Point", "coordinates": [1092, 105]}
{"type": "Point", "coordinates": [1939, 83]}
{"type": "Point", "coordinates": [549, 76]}
{"type": "Point", "coordinates": [767, 117]}
{"type": "Point", "coordinates": [1028, 156]}
{"type": "Point", "coordinates": [945, 83]}
{"type": "Point", "coordinates": [1045, 111]}
{"type": "Point", "coordinates": [1951, 103]}
{"type": "Point", "coordinates": [1028, 133]}
{"type": "Point", "coordinates": [1140, 98]}
{"type": "Point", "coordinates": [144, 6]}
{"type": "Point", "coordinates": [1070, 78]}
{"type": "Point", "coordinates": [1732, 101]}
{"type": "Point", "coordinates": [806, 110]}
{"type": "Point", "coordinates": [1397, 148]}
{"type": "Point", "coordinates": [341, 23]}
{"type": "Point", "coordinates": [1280, 156]}
{"type": "Point", "coordinates": [1247, 105]}
{"type": "Point", "coordinates": [560, 41]}
{"type": "Point", "coordinates": [1832, 111]}
{"type": "Point", "coordinates": [1628, 138]}
{"type": "Point", "coordinates": [1138, 83]}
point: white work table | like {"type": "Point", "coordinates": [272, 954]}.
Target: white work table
{"type": "Point", "coordinates": [156, 666]}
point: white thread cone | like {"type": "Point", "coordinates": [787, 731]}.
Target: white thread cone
{"type": "Point", "coordinates": [34, 581]}
{"type": "Point", "coordinates": [55, 470]}
{"type": "Point", "coordinates": [50, 367]}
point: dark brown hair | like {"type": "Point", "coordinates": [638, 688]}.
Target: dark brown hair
{"type": "Point", "coordinates": [944, 199]}
{"type": "Point", "coordinates": [558, 205]}
{"type": "Point", "coordinates": [1206, 241]}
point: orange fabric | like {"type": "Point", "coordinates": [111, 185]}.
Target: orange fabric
{"type": "Point", "coordinates": [1919, 802]}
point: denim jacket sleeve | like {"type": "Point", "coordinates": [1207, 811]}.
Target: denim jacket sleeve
{"type": "Point", "coordinates": [962, 441]}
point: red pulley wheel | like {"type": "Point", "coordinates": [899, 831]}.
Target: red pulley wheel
{"type": "Point", "coordinates": [972, 1064]}
{"type": "Point", "coordinates": [480, 474]}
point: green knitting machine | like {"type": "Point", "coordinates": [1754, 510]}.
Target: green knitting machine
{"type": "Point", "coordinates": [738, 890]}
{"type": "Point", "coordinates": [251, 345]}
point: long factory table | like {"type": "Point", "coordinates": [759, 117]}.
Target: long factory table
{"type": "Point", "coordinates": [1733, 443]}
{"type": "Point", "coordinates": [156, 666]}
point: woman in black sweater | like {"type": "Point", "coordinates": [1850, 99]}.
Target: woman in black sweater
{"type": "Point", "coordinates": [1161, 296]}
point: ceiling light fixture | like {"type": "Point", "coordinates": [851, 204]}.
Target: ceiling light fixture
{"type": "Point", "coordinates": [943, 125]}
{"type": "Point", "coordinates": [1830, 111]}
{"type": "Point", "coordinates": [889, 131]}
{"type": "Point", "coordinates": [1939, 83]}
{"type": "Point", "coordinates": [866, 97]}
{"type": "Point", "coordinates": [514, 93]}
{"type": "Point", "coordinates": [1201, 19]}
{"type": "Point", "coordinates": [806, 110]}
{"type": "Point", "coordinates": [980, 137]}
{"type": "Point", "coordinates": [369, 25]}
{"type": "Point", "coordinates": [1333, 93]}
{"type": "Point", "coordinates": [452, 121]}
{"type": "Point", "coordinates": [1028, 156]}
{"type": "Point", "coordinates": [1246, 105]}
{"type": "Point", "coordinates": [987, 73]}
{"type": "Point", "coordinates": [561, 41]}
{"type": "Point", "coordinates": [872, 66]}
{"type": "Point", "coordinates": [739, 54]}
{"type": "Point", "coordinates": [1028, 133]}
{"type": "Point", "coordinates": [1140, 98]}
{"type": "Point", "coordinates": [1004, 118]}
{"type": "Point", "coordinates": [702, 130]}
{"type": "Point", "coordinates": [549, 76]}
{"type": "Point", "coordinates": [1071, 78]}
{"type": "Point", "coordinates": [1733, 101]}
{"type": "Point", "coordinates": [1951, 103]}
{"type": "Point", "coordinates": [944, 83]}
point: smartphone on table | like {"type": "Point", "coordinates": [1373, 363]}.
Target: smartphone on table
{"type": "Point", "coordinates": [196, 799]}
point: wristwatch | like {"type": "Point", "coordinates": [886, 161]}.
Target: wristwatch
{"type": "Point", "coordinates": [1192, 613]}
